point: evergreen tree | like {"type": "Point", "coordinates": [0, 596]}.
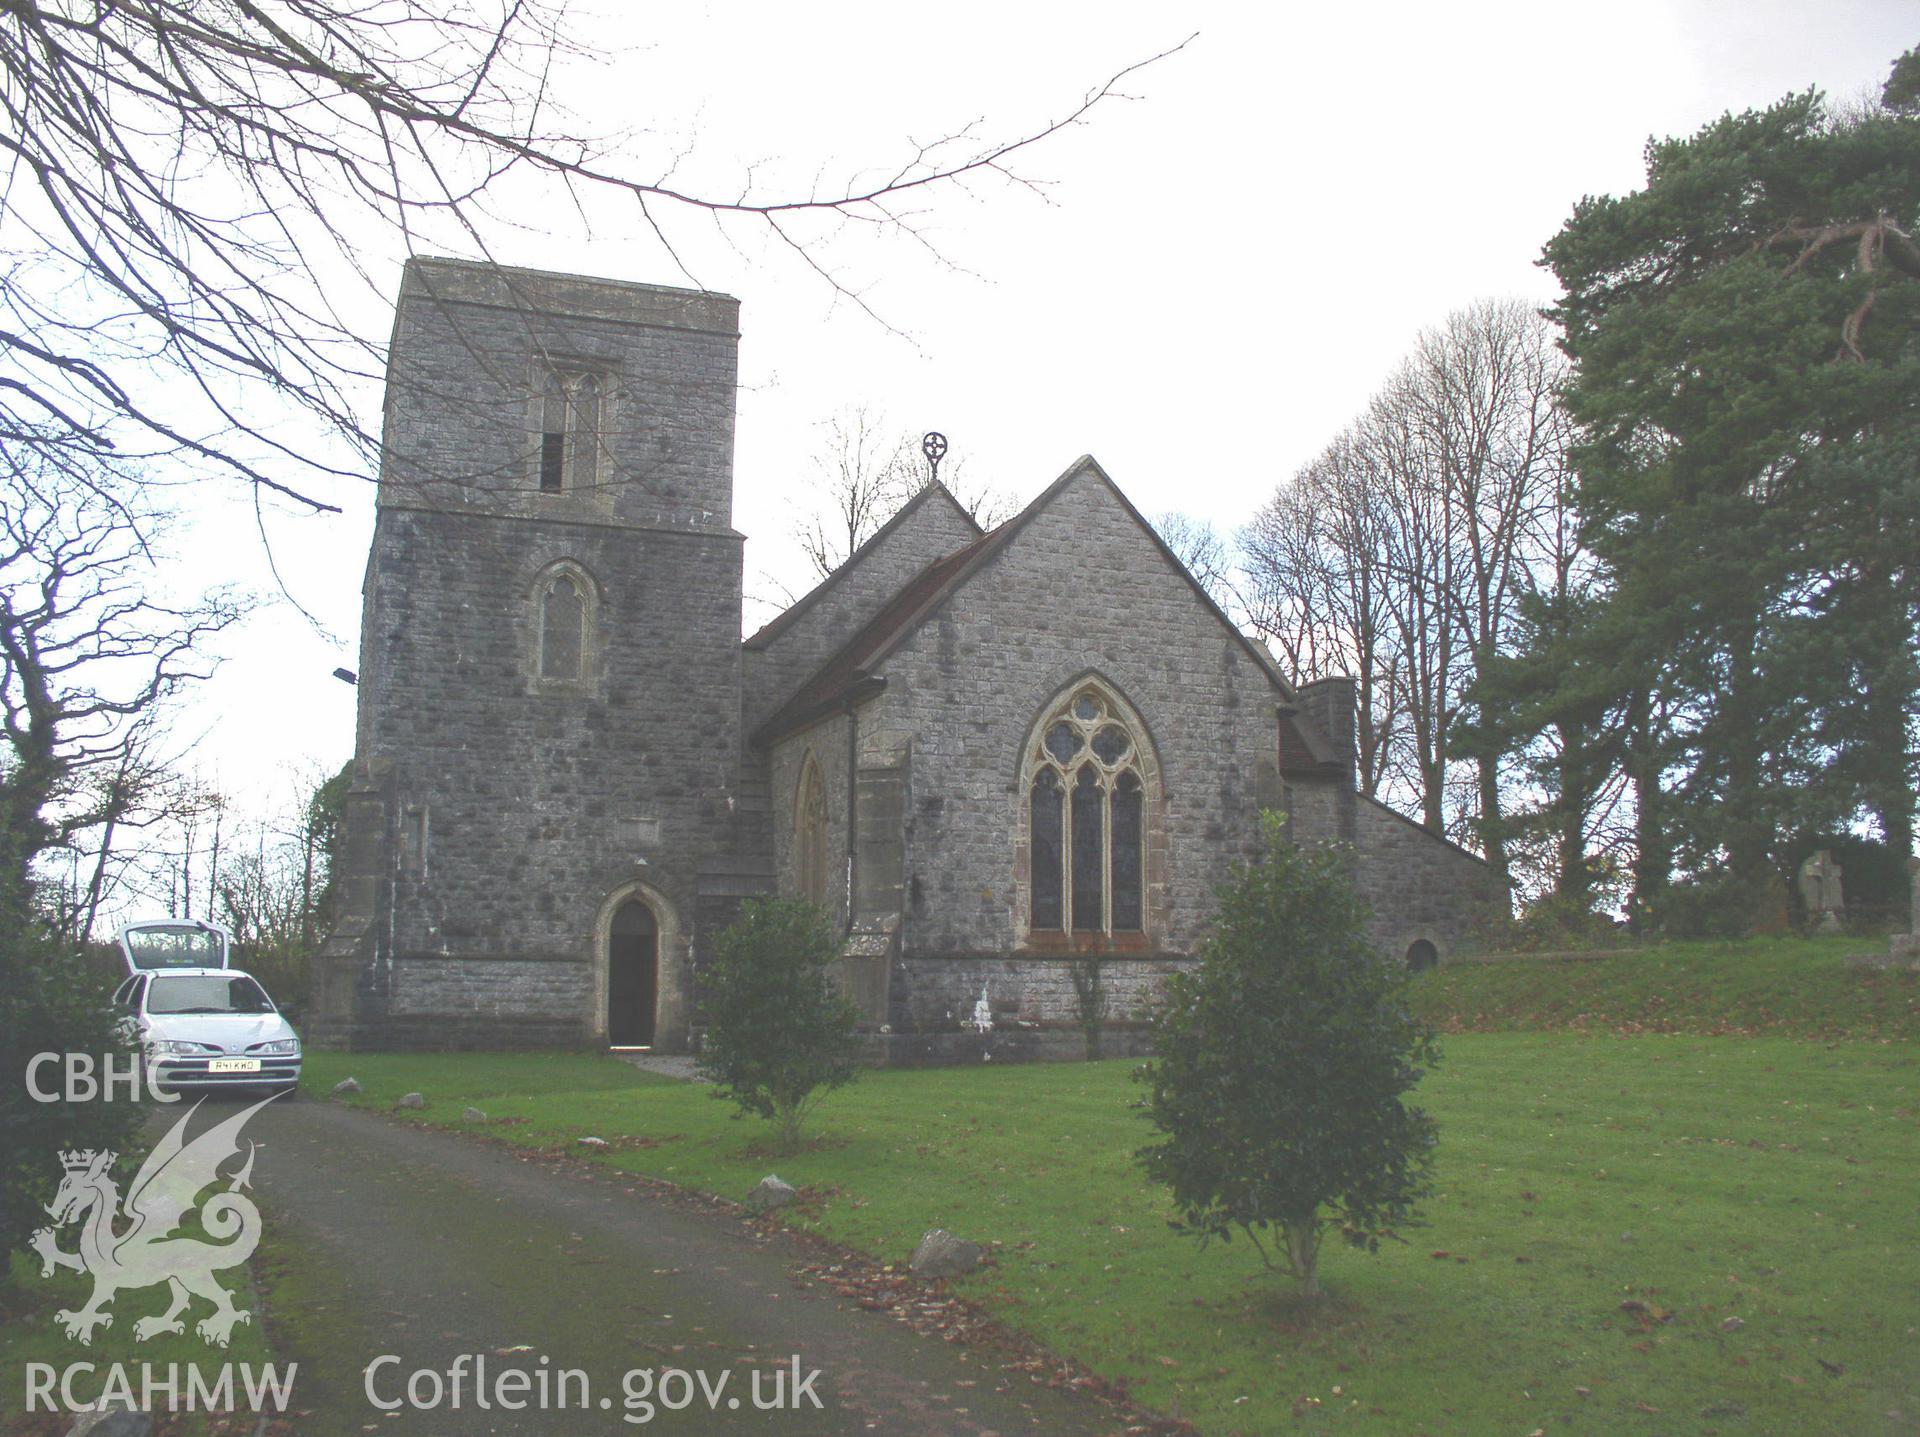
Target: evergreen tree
{"type": "Point", "coordinates": [1745, 379]}
{"type": "Point", "coordinates": [780, 1033]}
{"type": "Point", "coordinates": [1282, 1066]}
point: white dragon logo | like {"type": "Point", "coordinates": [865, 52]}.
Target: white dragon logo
{"type": "Point", "coordinates": [152, 1250]}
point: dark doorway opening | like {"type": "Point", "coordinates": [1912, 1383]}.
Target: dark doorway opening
{"type": "Point", "coordinates": [633, 976]}
{"type": "Point", "coordinates": [1422, 955]}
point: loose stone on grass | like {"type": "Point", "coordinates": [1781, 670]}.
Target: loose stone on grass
{"type": "Point", "coordinates": [412, 1100]}
{"type": "Point", "coordinates": [591, 1142]}
{"type": "Point", "coordinates": [472, 1115]}
{"type": "Point", "coordinates": [112, 1422]}
{"type": "Point", "coordinates": [941, 1254]}
{"type": "Point", "coordinates": [346, 1086]}
{"type": "Point", "coordinates": [771, 1193]}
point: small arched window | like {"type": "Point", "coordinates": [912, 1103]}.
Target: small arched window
{"type": "Point", "coordinates": [1087, 820]}
{"type": "Point", "coordinates": [1422, 955]}
{"type": "Point", "coordinates": [563, 624]}
{"type": "Point", "coordinates": [810, 832]}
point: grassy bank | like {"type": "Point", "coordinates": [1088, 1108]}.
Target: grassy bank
{"type": "Point", "coordinates": [1794, 987]}
{"type": "Point", "coordinates": [1705, 1180]}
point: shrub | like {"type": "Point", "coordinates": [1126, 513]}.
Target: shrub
{"type": "Point", "coordinates": [1282, 1061]}
{"type": "Point", "coordinates": [51, 1001]}
{"type": "Point", "coordinates": [780, 1033]}
{"type": "Point", "coordinates": [1551, 924]}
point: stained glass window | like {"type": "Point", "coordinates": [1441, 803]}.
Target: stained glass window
{"type": "Point", "coordinates": [1087, 821]}
{"type": "Point", "coordinates": [1045, 834]}
{"type": "Point", "coordinates": [1128, 832]}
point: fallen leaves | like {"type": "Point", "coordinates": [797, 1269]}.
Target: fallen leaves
{"type": "Point", "coordinates": [1645, 1313]}
{"type": "Point", "coordinates": [929, 1310]}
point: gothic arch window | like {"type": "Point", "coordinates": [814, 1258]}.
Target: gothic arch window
{"type": "Point", "coordinates": [571, 414]}
{"type": "Point", "coordinates": [810, 832]}
{"type": "Point", "coordinates": [1087, 819]}
{"type": "Point", "coordinates": [564, 603]}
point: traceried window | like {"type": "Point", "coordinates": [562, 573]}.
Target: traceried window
{"type": "Point", "coordinates": [571, 412]}
{"type": "Point", "coordinates": [810, 832]}
{"type": "Point", "coordinates": [1086, 820]}
{"type": "Point", "coordinates": [563, 624]}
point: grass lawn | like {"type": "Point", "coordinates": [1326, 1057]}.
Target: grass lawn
{"type": "Point", "coordinates": [1796, 987]}
{"type": "Point", "coordinates": [28, 1334]}
{"type": "Point", "coordinates": [1762, 1179]}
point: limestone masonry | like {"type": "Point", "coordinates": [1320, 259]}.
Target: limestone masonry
{"type": "Point", "coordinates": [1011, 765]}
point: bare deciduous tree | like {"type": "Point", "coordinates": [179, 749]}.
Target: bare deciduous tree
{"type": "Point", "coordinates": [1319, 590]}
{"type": "Point", "coordinates": [1402, 555]}
{"type": "Point", "coordinates": [1204, 551]}
{"type": "Point", "coordinates": [862, 476]}
{"type": "Point", "coordinates": [184, 177]}
{"type": "Point", "coordinates": [986, 502]}
{"type": "Point", "coordinates": [89, 655]}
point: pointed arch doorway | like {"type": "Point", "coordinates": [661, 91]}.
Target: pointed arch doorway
{"type": "Point", "coordinates": [633, 976]}
{"type": "Point", "coordinates": [642, 988]}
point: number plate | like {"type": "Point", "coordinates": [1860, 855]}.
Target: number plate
{"type": "Point", "coordinates": [234, 1065]}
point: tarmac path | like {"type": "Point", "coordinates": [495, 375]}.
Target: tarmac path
{"type": "Point", "coordinates": [426, 1248]}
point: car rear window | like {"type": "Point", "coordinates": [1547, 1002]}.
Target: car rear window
{"type": "Point", "coordinates": [204, 993]}
{"type": "Point", "coordinates": [163, 945]}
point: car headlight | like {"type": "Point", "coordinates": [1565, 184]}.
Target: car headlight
{"type": "Point", "coordinates": [167, 1047]}
{"type": "Point", "coordinates": [277, 1046]}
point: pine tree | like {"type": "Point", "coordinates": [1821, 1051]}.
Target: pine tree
{"type": "Point", "coordinates": [1745, 378]}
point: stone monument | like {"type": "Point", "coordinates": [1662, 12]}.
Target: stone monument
{"type": "Point", "coordinates": [1821, 891]}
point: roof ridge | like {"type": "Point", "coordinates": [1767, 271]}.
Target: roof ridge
{"type": "Point", "coordinates": [790, 615]}
{"type": "Point", "coordinates": [897, 619]}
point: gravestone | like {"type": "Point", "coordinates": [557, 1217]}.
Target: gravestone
{"type": "Point", "coordinates": [1820, 890]}
{"type": "Point", "coordinates": [1903, 949]}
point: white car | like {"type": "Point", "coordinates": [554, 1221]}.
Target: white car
{"type": "Point", "coordinates": [200, 1023]}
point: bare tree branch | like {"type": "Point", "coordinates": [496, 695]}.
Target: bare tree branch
{"type": "Point", "coordinates": [180, 178]}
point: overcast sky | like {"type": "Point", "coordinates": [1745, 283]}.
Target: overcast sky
{"type": "Point", "coordinates": [1220, 272]}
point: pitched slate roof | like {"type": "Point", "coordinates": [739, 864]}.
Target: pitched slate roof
{"type": "Point", "coordinates": [848, 676]}
{"type": "Point", "coordinates": [845, 675]}
{"type": "Point", "coordinates": [787, 617]}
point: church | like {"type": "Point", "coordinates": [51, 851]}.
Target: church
{"type": "Point", "coordinates": [1011, 765]}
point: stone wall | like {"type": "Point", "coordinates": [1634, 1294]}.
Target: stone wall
{"type": "Point", "coordinates": [786, 653]}
{"type": "Point", "coordinates": [498, 815]}
{"type": "Point", "coordinates": [827, 742]}
{"type": "Point", "coordinates": [515, 806]}
{"type": "Point", "coordinates": [1027, 994]}
{"type": "Point", "coordinates": [472, 346]}
{"type": "Point", "coordinates": [1420, 886]}
{"type": "Point", "coordinates": [1080, 589]}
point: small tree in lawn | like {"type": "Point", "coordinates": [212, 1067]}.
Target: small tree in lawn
{"type": "Point", "coordinates": [780, 1033]}
{"type": "Point", "coordinates": [1282, 1065]}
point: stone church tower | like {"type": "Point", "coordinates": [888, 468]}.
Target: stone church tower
{"type": "Point", "coordinates": [547, 793]}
